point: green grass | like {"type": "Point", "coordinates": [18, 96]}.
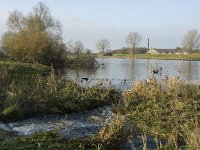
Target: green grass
{"type": "Point", "coordinates": [23, 68]}
{"type": "Point", "coordinates": [194, 56]}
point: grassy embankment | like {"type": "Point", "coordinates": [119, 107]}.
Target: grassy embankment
{"type": "Point", "coordinates": [26, 90]}
{"type": "Point", "coordinates": [194, 56]}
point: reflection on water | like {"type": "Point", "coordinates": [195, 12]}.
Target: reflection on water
{"type": "Point", "coordinates": [118, 70]}
{"type": "Point", "coordinates": [190, 70]}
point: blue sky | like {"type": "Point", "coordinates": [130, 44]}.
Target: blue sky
{"type": "Point", "coordinates": [163, 21]}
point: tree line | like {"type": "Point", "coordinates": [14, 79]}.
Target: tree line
{"type": "Point", "coordinates": [190, 43]}
{"type": "Point", "coordinates": [37, 38]}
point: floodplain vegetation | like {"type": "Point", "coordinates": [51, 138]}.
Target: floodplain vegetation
{"type": "Point", "coordinates": [154, 114]}
{"type": "Point", "coordinates": [33, 90]}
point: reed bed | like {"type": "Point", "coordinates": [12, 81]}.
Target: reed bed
{"type": "Point", "coordinates": [167, 111]}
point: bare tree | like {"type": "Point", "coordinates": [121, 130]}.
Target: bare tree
{"type": "Point", "coordinates": [191, 41]}
{"type": "Point", "coordinates": [39, 19]}
{"type": "Point", "coordinates": [78, 49]}
{"type": "Point", "coordinates": [103, 45]}
{"type": "Point", "coordinates": [42, 20]}
{"type": "Point", "coordinates": [35, 37]}
{"type": "Point", "coordinates": [16, 22]}
{"type": "Point", "coordinates": [133, 39]}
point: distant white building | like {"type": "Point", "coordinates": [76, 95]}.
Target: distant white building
{"type": "Point", "coordinates": [152, 51]}
{"type": "Point", "coordinates": [163, 53]}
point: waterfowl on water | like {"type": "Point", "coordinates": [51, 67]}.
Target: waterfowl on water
{"type": "Point", "coordinates": [86, 79]}
{"type": "Point", "coordinates": [124, 81]}
{"type": "Point", "coordinates": [155, 71]}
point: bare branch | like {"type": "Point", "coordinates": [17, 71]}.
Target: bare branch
{"type": "Point", "coordinates": [133, 40]}
{"type": "Point", "coordinates": [191, 41]}
{"type": "Point", "coordinates": [103, 45]}
{"type": "Point", "coordinates": [15, 21]}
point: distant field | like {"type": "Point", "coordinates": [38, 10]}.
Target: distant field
{"type": "Point", "coordinates": [195, 56]}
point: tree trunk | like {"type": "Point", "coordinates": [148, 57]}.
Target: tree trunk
{"type": "Point", "coordinates": [133, 50]}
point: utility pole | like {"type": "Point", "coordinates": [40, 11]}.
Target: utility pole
{"type": "Point", "coordinates": [148, 44]}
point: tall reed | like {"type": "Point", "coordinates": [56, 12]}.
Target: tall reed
{"type": "Point", "coordinates": [167, 110]}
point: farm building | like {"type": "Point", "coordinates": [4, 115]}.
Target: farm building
{"type": "Point", "coordinates": [152, 51]}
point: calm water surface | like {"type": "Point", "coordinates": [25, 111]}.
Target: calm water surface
{"type": "Point", "coordinates": [117, 70]}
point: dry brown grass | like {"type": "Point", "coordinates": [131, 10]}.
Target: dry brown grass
{"type": "Point", "coordinates": [167, 110]}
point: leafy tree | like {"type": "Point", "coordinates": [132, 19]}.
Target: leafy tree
{"type": "Point", "coordinates": [191, 41]}
{"type": "Point", "coordinates": [133, 39]}
{"type": "Point", "coordinates": [34, 38]}
{"type": "Point", "coordinates": [103, 45]}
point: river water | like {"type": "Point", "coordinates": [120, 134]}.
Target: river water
{"type": "Point", "coordinates": [118, 70]}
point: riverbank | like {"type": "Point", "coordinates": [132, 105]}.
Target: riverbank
{"type": "Point", "coordinates": [25, 91]}
{"type": "Point", "coordinates": [194, 57]}
{"type": "Point", "coordinates": [154, 114]}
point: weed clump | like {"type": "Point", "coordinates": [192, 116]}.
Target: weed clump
{"type": "Point", "coordinates": [167, 111]}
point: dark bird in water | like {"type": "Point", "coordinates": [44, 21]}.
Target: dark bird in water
{"type": "Point", "coordinates": [86, 79]}
{"type": "Point", "coordinates": [155, 71]}
{"type": "Point", "coordinates": [124, 81]}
